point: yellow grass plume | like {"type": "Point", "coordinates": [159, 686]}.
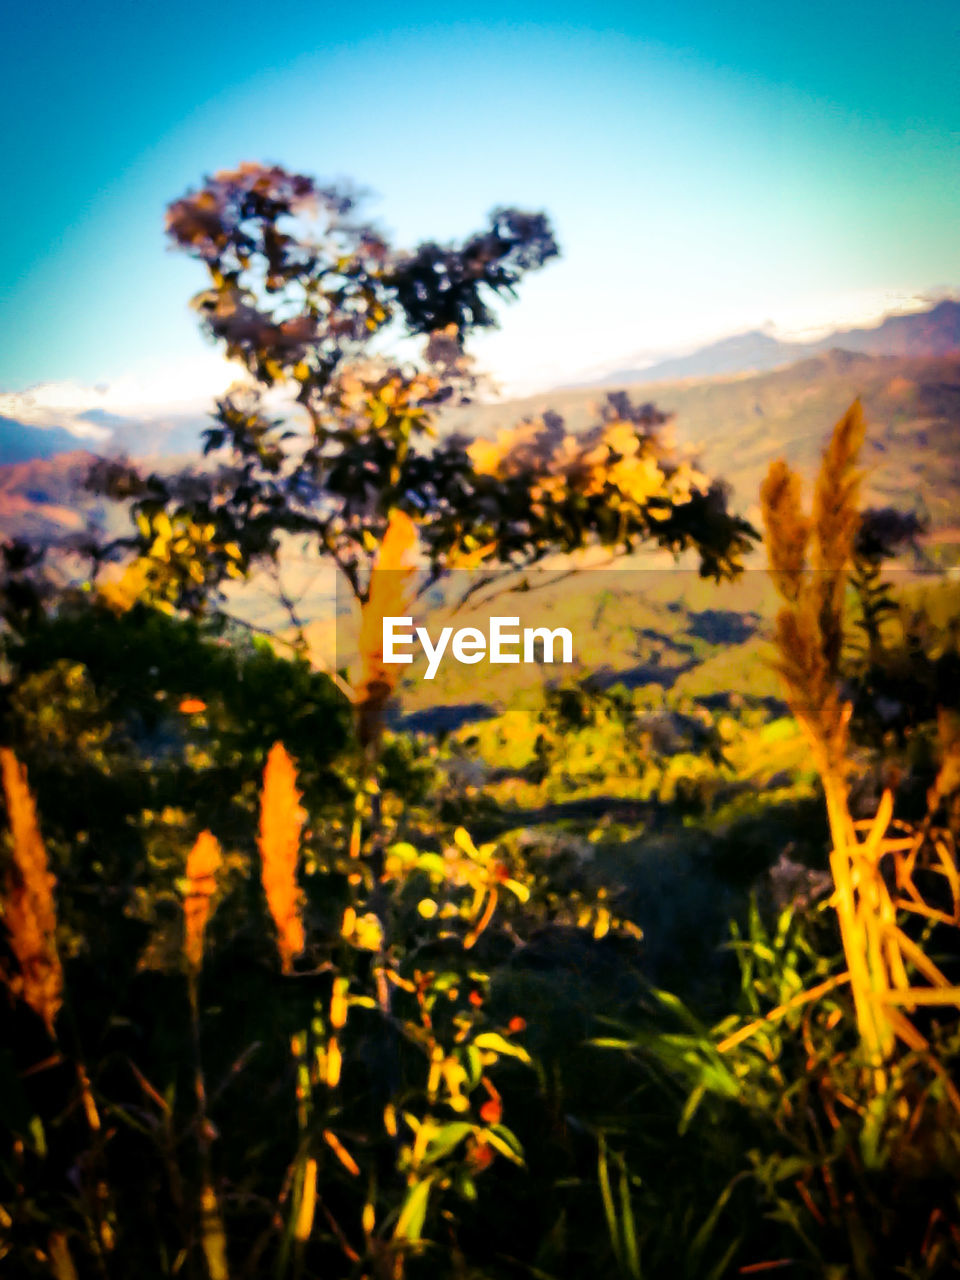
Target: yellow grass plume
{"type": "Point", "coordinates": [788, 528]}
{"type": "Point", "coordinates": [388, 595]}
{"type": "Point", "coordinates": [29, 910]}
{"type": "Point", "coordinates": [836, 519]}
{"type": "Point", "coordinates": [809, 628]}
{"type": "Point", "coordinates": [809, 637]}
{"type": "Point", "coordinates": [281, 820]}
{"type": "Point", "coordinates": [203, 863]}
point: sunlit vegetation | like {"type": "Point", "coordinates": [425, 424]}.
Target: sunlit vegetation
{"type": "Point", "coordinates": [639, 973]}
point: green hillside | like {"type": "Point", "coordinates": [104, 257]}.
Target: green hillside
{"type": "Point", "coordinates": [742, 422]}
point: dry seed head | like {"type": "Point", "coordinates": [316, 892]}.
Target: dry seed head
{"type": "Point", "coordinates": [203, 863]}
{"type": "Point", "coordinates": [788, 529]}
{"type": "Point", "coordinates": [810, 684]}
{"type": "Point", "coordinates": [281, 821]}
{"type": "Point", "coordinates": [29, 910]}
{"type": "Point", "coordinates": [836, 518]}
{"type": "Point", "coordinates": [809, 633]}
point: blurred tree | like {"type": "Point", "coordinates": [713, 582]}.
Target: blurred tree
{"type": "Point", "coordinates": [883, 533]}
{"type": "Point", "coordinates": [307, 298]}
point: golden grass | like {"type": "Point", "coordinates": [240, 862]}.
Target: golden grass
{"type": "Point", "coordinates": [281, 821]}
{"type": "Point", "coordinates": [809, 637]}
{"type": "Point", "coordinates": [836, 518]}
{"type": "Point", "coordinates": [29, 909]}
{"type": "Point", "coordinates": [203, 863]}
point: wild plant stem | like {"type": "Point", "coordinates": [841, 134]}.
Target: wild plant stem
{"type": "Point", "coordinates": [212, 1231]}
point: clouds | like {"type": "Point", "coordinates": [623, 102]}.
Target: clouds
{"type": "Point", "coordinates": [162, 410]}
{"type": "Point", "coordinates": [95, 411]}
{"type": "Point", "coordinates": [56, 404]}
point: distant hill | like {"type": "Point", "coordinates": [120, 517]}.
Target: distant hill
{"type": "Point", "coordinates": [925, 333]}
{"type": "Point", "coordinates": [175, 434]}
{"type": "Point", "coordinates": [754, 351]}
{"type": "Point", "coordinates": [935, 332]}
{"type": "Point", "coordinates": [739, 424]}
{"type": "Point", "coordinates": [19, 442]}
{"type": "Point", "coordinates": [43, 499]}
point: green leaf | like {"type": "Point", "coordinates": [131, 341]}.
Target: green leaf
{"type": "Point", "coordinates": [690, 1108]}
{"type": "Point", "coordinates": [707, 1228]}
{"type": "Point", "coordinates": [723, 1266]}
{"type": "Point", "coordinates": [493, 1042]}
{"type": "Point", "coordinates": [606, 1194]}
{"type": "Point", "coordinates": [39, 1136]}
{"type": "Point", "coordinates": [445, 1139]}
{"type": "Point", "coordinates": [505, 1141]}
{"type": "Point", "coordinates": [410, 1223]}
{"type": "Point", "coordinates": [470, 1061]}
{"type": "Point", "coordinates": [631, 1251]}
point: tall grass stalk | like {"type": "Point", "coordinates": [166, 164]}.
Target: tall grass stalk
{"type": "Point", "coordinates": [203, 862]}
{"type": "Point", "coordinates": [29, 910]}
{"type": "Point", "coordinates": [281, 824]}
{"type": "Point", "coordinates": [809, 638]}
{"type": "Point", "coordinates": [30, 917]}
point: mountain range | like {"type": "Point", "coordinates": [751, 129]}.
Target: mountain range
{"type": "Point", "coordinates": [736, 425]}
{"type": "Point", "coordinates": [21, 441]}
{"type": "Point", "coordinates": [934, 332]}
{"type": "Point", "coordinates": [909, 384]}
{"type": "Point", "coordinates": [160, 433]}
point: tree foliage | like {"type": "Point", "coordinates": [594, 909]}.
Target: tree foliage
{"type": "Point", "coordinates": [308, 298]}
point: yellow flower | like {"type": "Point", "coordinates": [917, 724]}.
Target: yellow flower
{"type": "Point", "coordinates": [637, 478]}
{"type": "Point", "coordinates": [622, 438]}
{"type": "Point", "coordinates": [486, 456]}
{"type": "Point", "coordinates": [368, 933]}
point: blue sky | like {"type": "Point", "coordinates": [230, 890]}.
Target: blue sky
{"type": "Point", "coordinates": [708, 167]}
